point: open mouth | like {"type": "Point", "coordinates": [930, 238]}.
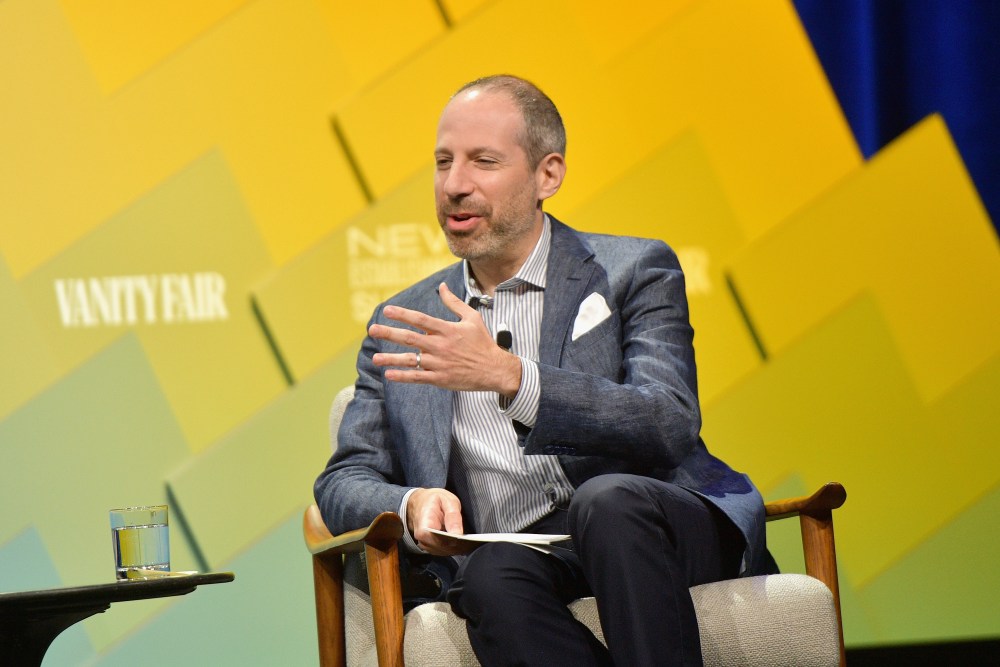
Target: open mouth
{"type": "Point", "coordinates": [462, 221]}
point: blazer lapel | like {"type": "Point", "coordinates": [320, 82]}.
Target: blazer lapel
{"type": "Point", "coordinates": [568, 275]}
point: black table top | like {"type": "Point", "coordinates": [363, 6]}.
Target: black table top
{"type": "Point", "coordinates": [103, 594]}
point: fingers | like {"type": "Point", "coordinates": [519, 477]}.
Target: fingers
{"type": "Point", "coordinates": [401, 360]}
{"type": "Point", "coordinates": [453, 303]}
{"type": "Point", "coordinates": [453, 522]}
{"type": "Point", "coordinates": [406, 337]}
{"type": "Point", "coordinates": [438, 509]}
{"type": "Point", "coordinates": [460, 356]}
{"type": "Point", "coordinates": [421, 321]}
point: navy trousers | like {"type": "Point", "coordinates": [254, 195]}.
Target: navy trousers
{"type": "Point", "coordinates": [638, 545]}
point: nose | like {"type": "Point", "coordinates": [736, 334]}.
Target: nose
{"type": "Point", "coordinates": [455, 181]}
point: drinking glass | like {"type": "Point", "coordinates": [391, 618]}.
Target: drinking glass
{"type": "Point", "coordinates": [140, 540]}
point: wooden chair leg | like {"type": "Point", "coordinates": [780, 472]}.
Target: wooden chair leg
{"type": "Point", "coordinates": [328, 581]}
{"type": "Point", "coordinates": [382, 561]}
{"type": "Point", "coordinates": [821, 559]}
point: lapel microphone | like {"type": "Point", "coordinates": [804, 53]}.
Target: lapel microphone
{"type": "Point", "coordinates": [505, 339]}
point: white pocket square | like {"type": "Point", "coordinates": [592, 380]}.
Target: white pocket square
{"type": "Point", "coordinates": [593, 311]}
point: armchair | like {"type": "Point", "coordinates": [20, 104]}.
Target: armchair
{"type": "Point", "coordinates": [782, 619]}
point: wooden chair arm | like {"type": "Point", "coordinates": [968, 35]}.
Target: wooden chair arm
{"type": "Point", "coordinates": [379, 540]}
{"type": "Point", "coordinates": [819, 550]}
{"type": "Point", "coordinates": [386, 529]}
{"type": "Point", "coordinates": [829, 497]}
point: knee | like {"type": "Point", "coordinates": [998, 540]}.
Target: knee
{"type": "Point", "coordinates": [601, 502]}
{"type": "Point", "coordinates": [490, 574]}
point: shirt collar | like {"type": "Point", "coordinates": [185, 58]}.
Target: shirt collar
{"type": "Point", "coordinates": [531, 272]}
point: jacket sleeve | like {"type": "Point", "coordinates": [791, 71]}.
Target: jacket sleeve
{"type": "Point", "coordinates": [363, 476]}
{"type": "Point", "coordinates": [628, 388]}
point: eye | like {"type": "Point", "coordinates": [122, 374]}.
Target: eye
{"type": "Point", "coordinates": [442, 162]}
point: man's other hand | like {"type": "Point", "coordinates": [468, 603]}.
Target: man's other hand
{"type": "Point", "coordinates": [439, 509]}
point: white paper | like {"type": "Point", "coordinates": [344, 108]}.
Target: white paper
{"type": "Point", "coordinates": [537, 541]}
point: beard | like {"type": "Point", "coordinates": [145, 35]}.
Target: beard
{"type": "Point", "coordinates": [501, 227]}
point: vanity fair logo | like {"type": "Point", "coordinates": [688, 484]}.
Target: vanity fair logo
{"type": "Point", "coordinates": [389, 259]}
{"type": "Point", "coordinates": [167, 298]}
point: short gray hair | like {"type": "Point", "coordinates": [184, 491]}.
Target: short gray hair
{"type": "Point", "coordinates": [544, 132]}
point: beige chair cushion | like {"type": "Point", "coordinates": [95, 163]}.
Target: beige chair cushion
{"type": "Point", "coordinates": [782, 619]}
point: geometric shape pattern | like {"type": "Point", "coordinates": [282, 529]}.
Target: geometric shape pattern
{"type": "Point", "coordinates": [320, 303]}
{"type": "Point", "coordinates": [838, 429]}
{"type": "Point", "coordinates": [288, 142]}
{"type": "Point", "coordinates": [865, 424]}
{"type": "Point", "coordinates": [370, 121]}
{"type": "Point", "coordinates": [103, 436]}
{"type": "Point", "coordinates": [26, 363]}
{"type": "Point", "coordinates": [265, 617]}
{"type": "Point", "coordinates": [883, 231]}
{"type": "Point", "coordinates": [204, 344]}
{"type": "Point", "coordinates": [772, 155]}
{"type": "Point", "coordinates": [117, 39]}
{"type": "Point", "coordinates": [610, 34]}
{"type": "Point", "coordinates": [259, 86]}
{"type": "Point", "coordinates": [745, 77]}
{"type": "Point", "coordinates": [951, 577]}
{"type": "Point", "coordinates": [373, 38]}
{"type": "Point", "coordinates": [249, 481]}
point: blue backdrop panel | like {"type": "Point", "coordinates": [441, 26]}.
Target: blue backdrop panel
{"type": "Point", "coordinates": [892, 62]}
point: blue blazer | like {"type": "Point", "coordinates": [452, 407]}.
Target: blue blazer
{"type": "Point", "coordinates": [621, 398]}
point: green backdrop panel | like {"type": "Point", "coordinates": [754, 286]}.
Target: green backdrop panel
{"type": "Point", "coordinates": [265, 617]}
{"type": "Point", "coordinates": [251, 479]}
{"type": "Point", "coordinates": [26, 363]}
{"type": "Point", "coordinates": [175, 267]}
{"type": "Point", "coordinates": [944, 589]}
{"type": "Point", "coordinates": [102, 437]}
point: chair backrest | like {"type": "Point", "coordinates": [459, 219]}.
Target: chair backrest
{"type": "Point", "coordinates": [340, 402]}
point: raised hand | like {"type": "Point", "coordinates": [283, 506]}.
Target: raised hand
{"type": "Point", "coordinates": [461, 356]}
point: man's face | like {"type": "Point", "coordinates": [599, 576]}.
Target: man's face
{"type": "Point", "coordinates": [486, 192]}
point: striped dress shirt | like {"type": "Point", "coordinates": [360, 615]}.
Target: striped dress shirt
{"type": "Point", "coordinates": [508, 490]}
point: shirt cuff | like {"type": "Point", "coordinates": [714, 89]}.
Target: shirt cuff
{"type": "Point", "coordinates": [408, 541]}
{"type": "Point", "coordinates": [524, 406]}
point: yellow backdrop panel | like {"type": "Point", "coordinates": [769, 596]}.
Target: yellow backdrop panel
{"type": "Point", "coordinates": [321, 302]}
{"type": "Point", "coordinates": [910, 228]}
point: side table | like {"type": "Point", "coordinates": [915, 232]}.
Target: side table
{"type": "Point", "coordinates": [30, 620]}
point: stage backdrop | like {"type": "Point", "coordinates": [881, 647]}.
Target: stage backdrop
{"type": "Point", "coordinates": [201, 202]}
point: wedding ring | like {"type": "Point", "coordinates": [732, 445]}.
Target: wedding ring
{"type": "Point", "coordinates": [418, 361]}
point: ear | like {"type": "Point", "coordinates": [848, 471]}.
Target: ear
{"type": "Point", "coordinates": [549, 175]}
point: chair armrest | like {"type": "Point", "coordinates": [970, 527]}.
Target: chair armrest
{"type": "Point", "coordinates": [379, 540]}
{"type": "Point", "coordinates": [819, 550]}
{"type": "Point", "coordinates": [386, 529]}
{"type": "Point", "coordinates": [829, 497]}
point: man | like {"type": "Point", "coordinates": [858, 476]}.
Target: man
{"type": "Point", "coordinates": [588, 424]}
